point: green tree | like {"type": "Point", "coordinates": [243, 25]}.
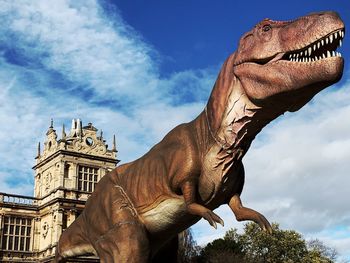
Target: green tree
{"type": "Point", "coordinates": [282, 246]}
{"type": "Point", "coordinates": [188, 250]}
{"type": "Point", "coordinates": [226, 249]}
{"type": "Point", "coordinates": [320, 253]}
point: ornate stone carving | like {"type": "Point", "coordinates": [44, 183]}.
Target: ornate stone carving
{"type": "Point", "coordinates": [45, 229]}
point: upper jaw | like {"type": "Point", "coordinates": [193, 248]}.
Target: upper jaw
{"type": "Point", "coordinates": [322, 48]}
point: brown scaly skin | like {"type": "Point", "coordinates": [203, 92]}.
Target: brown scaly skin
{"type": "Point", "coordinates": [141, 206]}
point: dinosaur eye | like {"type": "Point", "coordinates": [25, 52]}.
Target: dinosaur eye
{"type": "Point", "coordinates": [266, 28]}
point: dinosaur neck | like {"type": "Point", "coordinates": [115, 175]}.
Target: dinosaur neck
{"type": "Point", "coordinates": [238, 123]}
{"type": "Point", "coordinates": [232, 119]}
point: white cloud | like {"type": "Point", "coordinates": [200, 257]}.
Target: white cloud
{"type": "Point", "coordinates": [77, 44]}
{"type": "Point", "coordinates": [338, 237]}
{"type": "Point", "coordinates": [77, 40]}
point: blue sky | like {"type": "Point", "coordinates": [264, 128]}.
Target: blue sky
{"type": "Point", "coordinates": [138, 68]}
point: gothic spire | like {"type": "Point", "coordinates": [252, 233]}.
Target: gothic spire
{"type": "Point", "coordinates": [63, 132]}
{"type": "Point", "coordinates": [114, 148]}
{"type": "Point", "coordinates": [51, 129]}
{"type": "Point", "coordinates": [79, 129]}
{"type": "Point", "coordinates": [38, 152]}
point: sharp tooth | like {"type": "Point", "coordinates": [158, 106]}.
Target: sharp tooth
{"type": "Point", "coordinates": [330, 39]}
{"type": "Point", "coordinates": [322, 42]}
{"type": "Point", "coordinates": [305, 52]}
{"type": "Point", "coordinates": [318, 44]}
{"type": "Point", "coordinates": [339, 54]}
{"type": "Point", "coordinates": [296, 55]}
{"type": "Point", "coordinates": [333, 53]}
{"type": "Point", "coordinates": [326, 40]}
{"type": "Point", "coordinates": [312, 59]}
{"type": "Point", "coordinates": [290, 56]}
{"type": "Point", "coordinates": [316, 58]}
{"type": "Point", "coordinates": [309, 50]}
{"type": "Point", "coordinates": [307, 60]}
{"type": "Point", "coordinates": [335, 35]}
{"type": "Point", "coordinates": [323, 55]}
{"type": "Point", "coordinates": [340, 42]}
{"type": "Point", "coordinates": [328, 54]}
{"type": "Point", "coordinates": [314, 47]}
{"type": "Point", "coordinates": [342, 34]}
{"type": "Point", "coordinates": [301, 53]}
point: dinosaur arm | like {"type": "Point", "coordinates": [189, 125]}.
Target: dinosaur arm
{"type": "Point", "coordinates": [188, 189]}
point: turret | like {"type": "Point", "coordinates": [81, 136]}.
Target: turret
{"type": "Point", "coordinates": [75, 161]}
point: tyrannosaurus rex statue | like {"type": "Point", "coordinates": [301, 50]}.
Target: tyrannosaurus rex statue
{"type": "Point", "coordinates": [140, 207]}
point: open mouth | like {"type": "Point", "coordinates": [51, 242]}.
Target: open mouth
{"type": "Point", "coordinates": [322, 48]}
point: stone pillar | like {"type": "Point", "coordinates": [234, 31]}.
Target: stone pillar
{"type": "Point", "coordinates": [74, 175]}
{"type": "Point", "coordinates": [61, 173]}
{"type": "Point", "coordinates": [35, 244]}
{"type": "Point", "coordinates": [56, 225]}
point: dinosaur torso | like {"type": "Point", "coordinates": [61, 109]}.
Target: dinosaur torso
{"type": "Point", "coordinates": [212, 160]}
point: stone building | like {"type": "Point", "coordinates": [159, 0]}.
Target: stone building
{"type": "Point", "coordinates": [66, 172]}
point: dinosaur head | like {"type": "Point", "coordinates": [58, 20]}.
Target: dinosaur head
{"type": "Point", "coordinates": [284, 64]}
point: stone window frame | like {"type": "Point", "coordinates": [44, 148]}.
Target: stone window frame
{"type": "Point", "coordinates": [16, 233]}
{"type": "Point", "coordinates": [87, 178]}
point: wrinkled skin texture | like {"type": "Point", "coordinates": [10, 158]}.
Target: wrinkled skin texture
{"type": "Point", "coordinates": [140, 207]}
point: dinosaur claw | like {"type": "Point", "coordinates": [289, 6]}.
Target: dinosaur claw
{"type": "Point", "coordinates": [206, 213]}
{"type": "Point", "coordinates": [265, 225]}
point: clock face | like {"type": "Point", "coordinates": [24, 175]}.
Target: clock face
{"type": "Point", "coordinates": [89, 141]}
